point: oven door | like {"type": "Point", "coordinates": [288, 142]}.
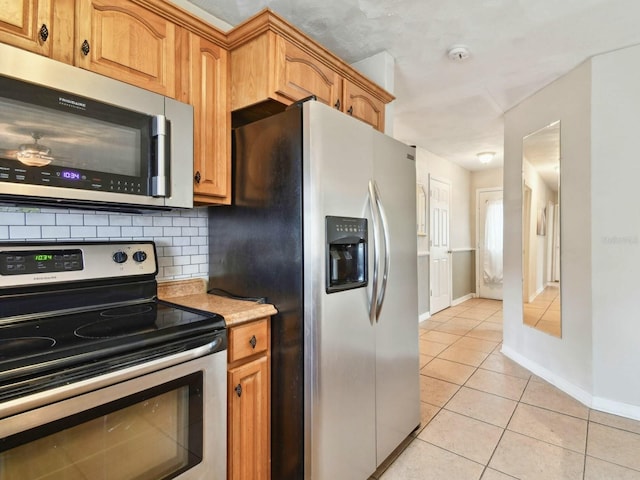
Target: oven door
{"type": "Point", "coordinates": [170, 423]}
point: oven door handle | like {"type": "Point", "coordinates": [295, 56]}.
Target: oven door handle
{"type": "Point", "coordinates": [63, 392]}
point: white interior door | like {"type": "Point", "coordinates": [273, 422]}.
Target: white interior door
{"type": "Point", "coordinates": [439, 250]}
{"type": "Point", "coordinates": [489, 243]}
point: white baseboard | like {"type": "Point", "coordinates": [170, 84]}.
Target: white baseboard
{"type": "Point", "coordinates": [460, 300]}
{"type": "Point", "coordinates": [567, 387]}
{"type": "Point", "coordinates": [616, 408]}
{"type": "Point", "coordinates": [424, 316]}
{"type": "Point", "coordinates": [597, 403]}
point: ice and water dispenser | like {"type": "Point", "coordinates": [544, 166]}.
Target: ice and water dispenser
{"type": "Point", "coordinates": [346, 253]}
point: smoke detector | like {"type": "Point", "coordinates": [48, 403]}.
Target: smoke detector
{"type": "Point", "coordinates": [459, 53]}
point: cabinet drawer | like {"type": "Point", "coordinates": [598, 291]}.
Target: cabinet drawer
{"type": "Point", "coordinates": [247, 340]}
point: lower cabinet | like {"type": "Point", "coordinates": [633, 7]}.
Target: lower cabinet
{"type": "Point", "coordinates": [248, 387]}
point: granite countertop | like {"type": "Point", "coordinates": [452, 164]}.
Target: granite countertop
{"type": "Point", "coordinates": [192, 293]}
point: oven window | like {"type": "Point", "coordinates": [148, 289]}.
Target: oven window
{"type": "Point", "coordinates": [155, 434]}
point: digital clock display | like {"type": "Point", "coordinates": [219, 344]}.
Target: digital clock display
{"type": "Point", "coordinates": [70, 175]}
{"type": "Point", "coordinates": [43, 257]}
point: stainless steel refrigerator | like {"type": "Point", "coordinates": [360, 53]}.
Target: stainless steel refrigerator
{"type": "Point", "coordinates": [323, 226]}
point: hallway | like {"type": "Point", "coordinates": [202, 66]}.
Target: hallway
{"type": "Point", "coordinates": [485, 417]}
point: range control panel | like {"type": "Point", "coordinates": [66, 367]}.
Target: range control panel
{"type": "Point", "coordinates": [34, 264]}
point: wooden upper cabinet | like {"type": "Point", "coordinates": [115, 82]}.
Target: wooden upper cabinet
{"type": "Point", "coordinates": [125, 41]}
{"type": "Point", "coordinates": [363, 106]}
{"type": "Point", "coordinates": [299, 75]}
{"type": "Point", "coordinates": [27, 24]}
{"type": "Point", "coordinates": [271, 61]}
{"type": "Point", "coordinates": [205, 74]}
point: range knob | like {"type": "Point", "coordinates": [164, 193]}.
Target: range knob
{"type": "Point", "coordinates": [120, 257]}
{"type": "Point", "coordinates": [139, 256]}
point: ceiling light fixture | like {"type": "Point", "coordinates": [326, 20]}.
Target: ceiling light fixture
{"type": "Point", "coordinates": [485, 157]}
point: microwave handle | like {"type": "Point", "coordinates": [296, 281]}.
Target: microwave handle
{"type": "Point", "coordinates": [159, 133]}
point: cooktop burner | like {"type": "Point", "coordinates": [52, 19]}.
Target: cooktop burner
{"type": "Point", "coordinates": [15, 347]}
{"type": "Point", "coordinates": [126, 311]}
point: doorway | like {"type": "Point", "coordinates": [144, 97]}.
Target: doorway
{"type": "Point", "coordinates": [489, 230]}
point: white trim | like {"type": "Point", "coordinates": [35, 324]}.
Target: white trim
{"type": "Point", "coordinates": [616, 408]}
{"type": "Point", "coordinates": [423, 253]}
{"type": "Point", "coordinates": [423, 317]}
{"type": "Point", "coordinates": [464, 249]}
{"type": "Point", "coordinates": [597, 403]}
{"type": "Point", "coordinates": [460, 300]}
{"type": "Point", "coordinates": [567, 387]}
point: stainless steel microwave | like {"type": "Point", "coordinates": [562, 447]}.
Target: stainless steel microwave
{"type": "Point", "coordinates": [75, 138]}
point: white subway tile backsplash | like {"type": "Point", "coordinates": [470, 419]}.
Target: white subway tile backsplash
{"type": "Point", "coordinates": [24, 233]}
{"type": "Point", "coordinates": [171, 231]}
{"type": "Point", "coordinates": [56, 232]}
{"type": "Point", "coordinates": [132, 232]}
{"type": "Point", "coordinates": [12, 218]}
{"type": "Point", "coordinates": [152, 231]}
{"type": "Point", "coordinates": [40, 219]}
{"type": "Point", "coordinates": [122, 220]}
{"type": "Point", "coordinates": [69, 219]}
{"type": "Point", "coordinates": [99, 219]}
{"type": "Point", "coordinates": [142, 221]}
{"type": "Point", "coordinates": [110, 232]}
{"type": "Point", "coordinates": [84, 232]}
{"type": "Point", "coordinates": [162, 221]}
{"type": "Point", "coordinates": [181, 222]}
{"type": "Point", "coordinates": [181, 236]}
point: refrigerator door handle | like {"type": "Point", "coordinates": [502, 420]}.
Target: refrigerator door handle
{"type": "Point", "coordinates": [387, 250]}
{"type": "Point", "coordinates": [373, 305]}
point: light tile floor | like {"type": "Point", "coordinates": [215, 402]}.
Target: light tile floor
{"type": "Point", "coordinates": [486, 417]}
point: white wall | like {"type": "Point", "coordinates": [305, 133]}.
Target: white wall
{"type": "Point", "coordinates": [566, 361]}
{"type": "Point", "coordinates": [615, 228]}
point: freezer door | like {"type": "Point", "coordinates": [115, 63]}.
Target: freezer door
{"type": "Point", "coordinates": [339, 345]}
{"type": "Point", "coordinates": [396, 338]}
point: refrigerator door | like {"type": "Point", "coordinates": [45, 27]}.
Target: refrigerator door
{"type": "Point", "coordinates": [396, 339]}
{"type": "Point", "coordinates": [339, 336]}
{"type": "Point", "coordinates": [255, 250]}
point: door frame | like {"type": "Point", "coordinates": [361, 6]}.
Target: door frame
{"type": "Point", "coordinates": [478, 192]}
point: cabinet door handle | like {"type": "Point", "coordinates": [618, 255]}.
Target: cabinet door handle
{"type": "Point", "coordinates": [337, 104]}
{"type": "Point", "coordinates": [238, 389]}
{"type": "Point", "coordinates": [85, 48]}
{"type": "Point", "coordinates": [253, 342]}
{"type": "Point", "coordinates": [197, 177]}
{"type": "Point", "coordinates": [350, 111]}
{"type": "Point", "coordinates": [44, 32]}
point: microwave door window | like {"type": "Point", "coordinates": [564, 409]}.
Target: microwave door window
{"type": "Point", "coordinates": [40, 127]}
{"type": "Point", "coordinates": [37, 137]}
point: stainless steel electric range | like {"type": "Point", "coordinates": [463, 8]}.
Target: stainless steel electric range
{"type": "Point", "coordinates": [99, 378]}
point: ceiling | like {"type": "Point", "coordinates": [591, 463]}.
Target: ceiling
{"type": "Point", "coordinates": [455, 108]}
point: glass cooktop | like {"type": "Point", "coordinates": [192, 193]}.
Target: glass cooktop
{"type": "Point", "coordinates": [55, 342]}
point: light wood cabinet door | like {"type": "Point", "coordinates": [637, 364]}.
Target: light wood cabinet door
{"type": "Point", "coordinates": [27, 24]}
{"type": "Point", "coordinates": [207, 92]}
{"type": "Point", "coordinates": [363, 106]}
{"type": "Point", "coordinates": [248, 406]}
{"type": "Point", "coordinates": [299, 75]}
{"type": "Point", "coordinates": [122, 40]}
